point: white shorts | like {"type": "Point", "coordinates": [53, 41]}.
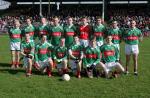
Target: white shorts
{"type": "Point", "coordinates": [25, 62]}
{"type": "Point", "coordinates": [73, 64]}
{"type": "Point", "coordinates": [110, 65]}
{"type": "Point", "coordinates": [60, 65]}
{"type": "Point", "coordinates": [15, 46]}
{"type": "Point", "coordinates": [99, 43]}
{"type": "Point", "coordinates": [45, 63]}
{"type": "Point", "coordinates": [131, 49]}
{"type": "Point", "coordinates": [83, 42]}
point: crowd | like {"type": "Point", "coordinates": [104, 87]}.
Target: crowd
{"type": "Point", "coordinates": [143, 22]}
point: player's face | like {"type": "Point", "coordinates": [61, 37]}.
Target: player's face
{"type": "Point", "coordinates": [28, 21]}
{"type": "Point", "coordinates": [44, 38]}
{"type": "Point", "coordinates": [109, 39]}
{"type": "Point", "coordinates": [27, 37]}
{"type": "Point", "coordinates": [99, 21]}
{"type": "Point", "coordinates": [17, 24]}
{"type": "Point", "coordinates": [56, 21]}
{"type": "Point", "coordinates": [114, 24]}
{"type": "Point", "coordinates": [133, 24]}
{"type": "Point", "coordinates": [84, 21]}
{"type": "Point", "coordinates": [43, 20]}
{"type": "Point", "coordinates": [62, 42]}
{"type": "Point", "coordinates": [70, 21]}
{"type": "Point", "coordinates": [51, 23]}
{"type": "Point", "coordinates": [76, 39]}
{"type": "Point", "coordinates": [93, 43]}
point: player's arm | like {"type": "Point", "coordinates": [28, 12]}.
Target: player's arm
{"type": "Point", "coordinates": [32, 51]}
{"type": "Point", "coordinates": [22, 50]}
{"type": "Point", "coordinates": [85, 63]}
{"type": "Point", "coordinates": [140, 36]}
{"type": "Point", "coordinates": [70, 54]}
{"type": "Point", "coordinates": [98, 58]}
{"type": "Point", "coordinates": [65, 56]}
{"type": "Point", "coordinates": [36, 54]}
{"type": "Point", "coordinates": [116, 54]}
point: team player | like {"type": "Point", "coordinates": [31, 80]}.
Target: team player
{"type": "Point", "coordinates": [99, 31]}
{"type": "Point", "coordinates": [43, 59]}
{"type": "Point", "coordinates": [60, 57]}
{"type": "Point", "coordinates": [44, 28]}
{"type": "Point", "coordinates": [132, 37]}
{"type": "Point", "coordinates": [116, 34]}
{"type": "Point", "coordinates": [27, 50]}
{"type": "Point", "coordinates": [91, 57]}
{"type": "Point", "coordinates": [56, 32]}
{"type": "Point", "coordinates": [76, 55]}
{"type": "Point", "coordinates": [110, 57]}
{"type": "Point", "coordinates": [15, 42]}
{"type": "Point", "coordinates": [30, 29]}
{"type": "Point", "coordinates": [84, 32]}
{"type": "Point", "coordinates": [70, 31]}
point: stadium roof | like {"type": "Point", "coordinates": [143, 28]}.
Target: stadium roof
{"type": "Point", "coordinates": [67, 0]}
{"type": "Point", "coordinates": [81, 1]}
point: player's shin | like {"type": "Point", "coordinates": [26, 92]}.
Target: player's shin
{"type": "Point", "coordinates": [13, 59]}
{"type": "Point", "coordinates": [17, 58]}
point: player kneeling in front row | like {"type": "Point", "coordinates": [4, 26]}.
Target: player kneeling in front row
{"type": "Point", "coordinates": [60, 57]}
{"type": "Point", "coordinates": [91, 57]}
{"type": "Point", "coordinates": [43, 60]}
{"type": "Point", "coordinates": [110, 56]}
{"type": "Point", "coordinates": [76, 55]}
{"type": "Point", "coordinates": [27, 50]}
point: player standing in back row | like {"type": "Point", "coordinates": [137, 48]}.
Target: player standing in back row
{"type": "Point", "coordinates": [99, 32]}
{"type": "Point", "coordinates": [15, 43]}
{"type": "Point", "coordinates": [132, 37]}
{"type": "Point", "coordinates": [56, 32]}
{"type": "Point", "coordinates": [70, 31]}
{"type": "Point", "coordinates": [84, 32]}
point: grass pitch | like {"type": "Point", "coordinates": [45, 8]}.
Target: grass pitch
{"type": "Point", "coordinates": [14, 84]}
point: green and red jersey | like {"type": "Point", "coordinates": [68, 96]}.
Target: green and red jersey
{"type": "Point", "coordinates": [99, 32]}
{"type": "Point", "coordinates": [116, 34]}
{"type": "Point", "coordinates": [43, 51]}
{"type": "Point", "coordinates": [43, 30]}
{"type": "Point", "coordinates": [110, 53]}
{"type": "Point", "coordinates": [27, 47]}
{"type": "Point", "coordinates": [30, 29]}
{"type": "Point", "coordinates": [60, 53]}
{"type": "Point", "coordinates": [132, 35]}
{"type": "Point", "coordinates": [91, 56]}
{"type": "Point", "coordinates": [84, 32]}
{"type": "Point", "coordinates": [15, 35]}
{"type": "Point", "coordinates": [69, 33]}
{"type": "Point", "coordinates": [56, 34]}
{"type": "Point", "coordinates": [76, 50]}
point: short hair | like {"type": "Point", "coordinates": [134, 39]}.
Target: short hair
{"type": "Point", "coordinates": [29, 18]}
{"type": "Point", "coordinates": [98, 17]}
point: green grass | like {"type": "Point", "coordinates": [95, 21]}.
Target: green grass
{"type": "Point", "coordinates": [14, 84]}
